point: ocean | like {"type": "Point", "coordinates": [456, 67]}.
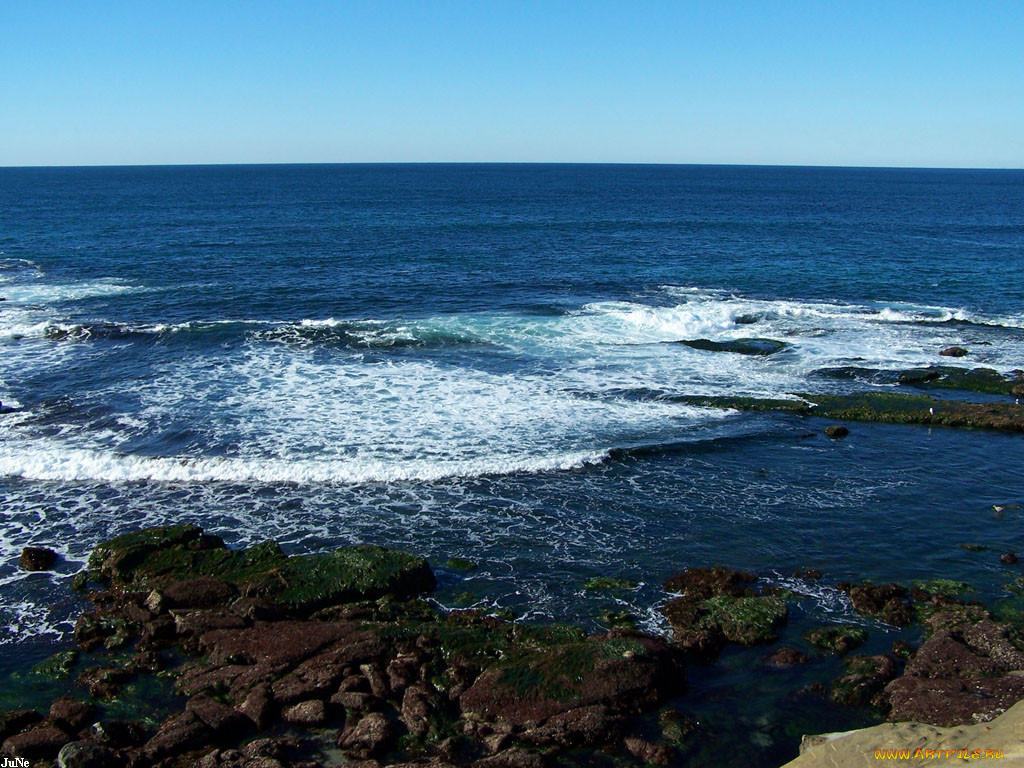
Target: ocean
{"type": "Point", "coordinates": [477, 361]}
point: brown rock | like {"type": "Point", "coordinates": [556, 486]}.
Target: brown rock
{"type": "Point", "coordinates": [200, 592]}
{"type": "Point", "coordinates": [378, 682]}
{"type": "Point", "coordinates": [623, 670]}
{"type": "Point", "coordinates": [886, 601]}
{"type": "Point", "coordinates": [657, 754]}
{"type": "Point", "coordinates": [104, 682]}
{"type": "Point", "coordinates": [1009, 558]}
{"type": "Point", "coordinates": [515, 757]}
{"type": "Point", "coordinates": [836, 431]}
{"type": "Point", "coordinates": [583, 727]}
{"type": "Point", "coordinates": [181, 733]}
{"type": "Point", "coordinates": [37, 559]}
{"type": "Point", "coordinates": [362, 702]}
{"type": "Point", "coordinates": [950, 701]}
{"type": "Point", "coordinates": [226, 722]}
{"type": "Point", "coordinates": [419, 706]}
{"type": "Point", "coordinates": [306, 713]}
{"type": "Point", "coordinates": [788, 657]}
{"type": "Point", "coordinates": [17, 721]}
{"type": "Point", "coordinates": [196, 622]}
{"type": "Point", "coordinates": [38, 744]}
{"type": "Point", "coordinates": [282, 642]}
{"type": "Point", "coordinates": [259, 706]}
{"type": "Point", "coordinates": [703, 583]}
{"type": "Point", "coordinates": [72, 715]}
{"type": "Point", "coordinates": [119, 733]}
{"type": "Point", "coordinates": [370, 736]}
{"type": "Point", "coordinates": [953, 352]}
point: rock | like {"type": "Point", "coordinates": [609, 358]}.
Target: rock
{"type": "Point", "coordinates": [17, 721]}
{"type": "Point", "coordinates": [515, 757]}
{"type": "Point", "coordinates": [59, 666]}
{"type": "Point", "coordinates": [622, 670]}
{"type": "Point", "coordinates": [306, 713]}
{"type": "Point", "coordinates": [836, 431]}
{"type": "Point", "coordinates": [459, 564]}
{"type": "Point", "coordinates": [164, 557]}
{"type": "Point", "coordinates": [1009, 558]}
{"type": "Point", "coordinates": [788, 657]}
{"type": "Point", "coordinates": [583, 727]}
{"type": "Point", "coordinates": [200, 592]}
{"type": "Point", "coordinates": [37, 559]}
{"type": "Point", "coordinates": [953, 352]}
{"type": "Point", "coordinates": [225, 722]}
{"type": "Point", "coordinates": [703, 626]}
{"type": "Point", "coordinates": [752, 346]}
{"type": "Point", "coordinates": [703, 583]}
{"type": "Point", "coordinates": [259, 706]}
{"type": "Point", "coordinates": [86, 754]}
{"type": "Point", "coordinates": [608, 583]}
{"type": "Point", "coordinates": [104, 682]}
{"type": "Point", "coordinates": [864, 680]}
{"type": "Point", "coordinates": [887, 602]}
{"type": "Point", "coordinates": [947, 702]}
{"type": "Point", "coordinates": [361, 702]}
{"type": "Point", "coordinates": [181, 733]}
{"type": "Point", "coordinates": [370, 736]}
{"type": "Point", "coordinates": [675, 726]}
{"type": "Point", "coordinates": [839, 639]}
{"type": "Point", "coordinates": [656, 754]}
{"type": "Point", "coordinates": [119, 733]}
{"type": "Point", "coordinates": [72, 715]}
{"type": "Point", "coordinates": [39, 744]}
{"type": "Point", "coordinates": [419, 710]}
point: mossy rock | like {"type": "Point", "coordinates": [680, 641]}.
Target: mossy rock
{"type": "Point", "coordinates": [158, 556]}
{"type": "Point", "coordinates": [743, 620]}
{"type": "Point", "coordinates": [608, 583]}
{"type": "Point", "coordinates": [59, 666]}
{"type": "Point", "coordinates": [618, 619]}
{"type": "Point", "coordinates": [622, 670]}
{"type": "Point", "coordinates": [459, 564]}
{"type": "Point", "coordinates": [839, 639]}
{"type": "Point", "coordinates": [947, 587]}
{"type": "Point", "coordinates": [883, 407]}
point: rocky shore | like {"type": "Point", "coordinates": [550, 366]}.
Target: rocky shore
{"type": "Point", "coordinates": [253, 658]}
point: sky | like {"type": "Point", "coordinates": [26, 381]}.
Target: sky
{"type": "Point", "coordinates": [865, 82]}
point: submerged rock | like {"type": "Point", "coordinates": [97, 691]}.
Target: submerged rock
{"type": "Point", "coordinates": [953, 351]}
{"type": "Point", "coordinates": [836, 431]}
{"type": "Point", "coordinates": [752, 346]}
{"type": "Point", "coordinates": [838, 639]}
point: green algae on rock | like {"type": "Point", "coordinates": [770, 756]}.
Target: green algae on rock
{"type": "Point", "coordinates": [158, 557]}
{"type": "Point", "coordinates": [883, 407]}
{"type": "Point", "coordinates": [838, 639]}
{"type": "Point", "coordinates": [608, 583]}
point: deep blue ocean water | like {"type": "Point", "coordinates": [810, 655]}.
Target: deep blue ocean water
{"type": "Point", "coordinates": [472, 361]}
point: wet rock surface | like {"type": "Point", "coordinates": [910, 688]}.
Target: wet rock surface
{"type": "Point", "coordinates": [255, 646]}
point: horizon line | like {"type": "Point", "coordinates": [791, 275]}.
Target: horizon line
{"type": "Point", "coordinates": [518, 162]}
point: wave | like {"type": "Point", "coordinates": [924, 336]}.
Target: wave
{"type": "Point", "coordinates": [84, 465]}
{"type": "Point", "coordinates": [370, 334]}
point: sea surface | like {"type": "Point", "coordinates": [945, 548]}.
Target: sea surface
{"type": "Point", "coordinates": [476, 361]}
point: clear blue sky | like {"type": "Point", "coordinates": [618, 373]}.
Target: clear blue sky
{"type": "Point", "coordinates": [863, 82]}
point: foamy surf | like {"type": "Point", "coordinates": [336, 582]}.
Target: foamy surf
{"type": "Point", "coordinates": [77, 465]}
